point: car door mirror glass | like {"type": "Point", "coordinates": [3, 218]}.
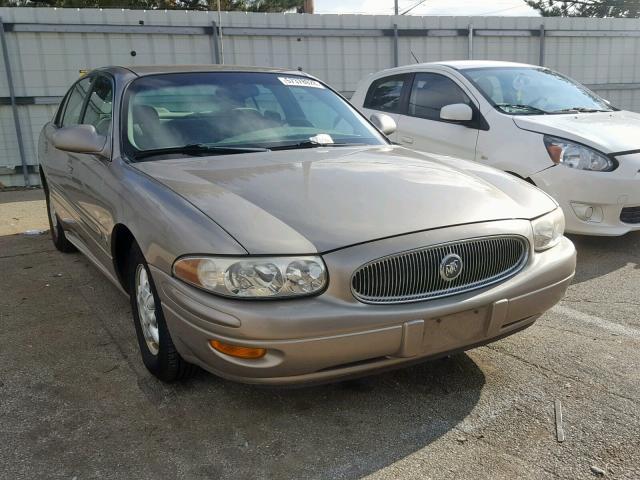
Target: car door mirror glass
{"type": "Point", "coordinates": [80, 139]}
{"type": "Point", "coordinates": [456, 112]}
{"type": "Point", "coordinates": [384, 123]}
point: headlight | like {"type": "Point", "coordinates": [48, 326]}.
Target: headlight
{"type": "Point", "coordinates": [548, 230]}
{"type": "Point", "coordinates": [254, 277]}
{"type": "Point", "coordinates": [574, 155]}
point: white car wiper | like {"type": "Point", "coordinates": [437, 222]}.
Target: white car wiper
{"type": "Point", "coordinates": [521, 106]}
{"type": "Point", "coordinates": [580, 110]}
{"type": "Point", "coordinates": [197, 149]}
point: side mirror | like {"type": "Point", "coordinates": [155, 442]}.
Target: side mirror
{"type": "Point", "coordinates": [456, 112]}
{"type": "Point", "coordinates": [79, 139]}
{"type": "Point", "coordinates": [384, 123]}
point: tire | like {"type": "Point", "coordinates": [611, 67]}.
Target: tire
{"type": "Point", "coordinates": [58, 237]}
{"type": "Point", "coordinates": [159, 354]}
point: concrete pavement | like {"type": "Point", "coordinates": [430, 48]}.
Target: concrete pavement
{"type": "Point", "coordinates": [76, 401]}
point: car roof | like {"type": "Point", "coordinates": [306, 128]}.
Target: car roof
{"type": "Point", "coordinates": [142, 70]}
{"type": "Point", "coordinates": [464, 64]}
{"type": "Point", "coordinates": [457, 65]}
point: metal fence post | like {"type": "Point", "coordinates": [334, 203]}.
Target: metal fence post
{"type": "Point", "coordinates": [14, 106]}
{"type": "Point", "coordinates": [470, 54]}
{"type": "Point", "coordinates": [541, 59]}
{"type": "Point", "coordinates": [396, 59]}
{"type": "Point", "coordinates": [215, 43]}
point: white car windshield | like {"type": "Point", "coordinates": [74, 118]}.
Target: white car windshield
{"type": "Point", "coordinates": [534, 91]}
{"type": "Point", "coordinates": [237, 112]}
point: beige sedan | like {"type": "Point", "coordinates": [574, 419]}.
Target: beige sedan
{"type": "Point", "coordinates": [266, 231]}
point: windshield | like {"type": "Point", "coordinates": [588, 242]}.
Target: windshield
{"type": "Point", "coordinates": [533, 91]}
{"type": "Point", "coordinates": [230, 112]}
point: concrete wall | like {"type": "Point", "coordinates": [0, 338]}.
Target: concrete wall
{"type": "Point", "coordinates": [47, 48]}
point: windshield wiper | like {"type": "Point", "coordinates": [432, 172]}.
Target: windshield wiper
{"type": "Point", "coordinates": [311, 144]}
{"type": "Point", "coordinates": [197, 149]}
{"type": "Point", "coordinates": [521, 106]}
{"type": "Point", "coordinates": [580, 110]}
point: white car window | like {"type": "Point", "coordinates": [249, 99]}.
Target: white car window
{"type": "Point", "coordinates": [533, 91]}
{"type": "Point", "coordinates": [385, 93]}
{"type": "Point", "coordinates": [430, 92]}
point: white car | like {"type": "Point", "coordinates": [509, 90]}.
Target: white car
{"type": "Point", "coordinates": [524, 119]}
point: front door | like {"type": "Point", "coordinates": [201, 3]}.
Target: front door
{"type": "Point", "coordinates": [420, 126]}
{"type": "Point", "coordinates": [92, 173]}
{"type": "Point", "coordinates": [62, 183]}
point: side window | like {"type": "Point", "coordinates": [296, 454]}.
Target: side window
{"type": "Point", "coordinates": [98, 111]}
{"type": "Point", "coordinates": [75, 101]}
{"type": "Point", "coordinates": [431, 92]}
{"type": "Point", "coordinates": [384, 94]}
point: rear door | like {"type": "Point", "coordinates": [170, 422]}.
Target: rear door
{"type": "Point", "coordinates": [420, 126]}
{"type": "Point", "coordinates": [387, 95]}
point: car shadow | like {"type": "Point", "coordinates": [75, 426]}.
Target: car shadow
{"type": "Point", "coordinates": [341, 430]}
{"type": "Point", "coordinates": [598, 256]}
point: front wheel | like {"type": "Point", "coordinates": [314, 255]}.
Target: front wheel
{"type": "Point", "coordinates": [159, 354]}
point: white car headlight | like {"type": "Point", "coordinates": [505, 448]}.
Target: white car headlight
{"type": "Point", "coordinates": [548, 230]}
{"type": "Point", "coordinates": [254, 277]}
{"type": "Point", "coordinates": [574, 155]}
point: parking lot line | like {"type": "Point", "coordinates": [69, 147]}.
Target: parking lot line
{"type": "Point", "coordinates": [596, 321]}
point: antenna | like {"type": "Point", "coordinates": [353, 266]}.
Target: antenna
{"type": "Point", "coordinates": [414, 57]}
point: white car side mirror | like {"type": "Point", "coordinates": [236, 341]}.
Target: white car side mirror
{"type": "Point", "coordinates": [456, 112]}
{"type": "Point", "coordinates": [384, 123]}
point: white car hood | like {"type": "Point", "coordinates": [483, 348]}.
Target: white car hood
{"type": "Point", "coordinates": [609, 132]}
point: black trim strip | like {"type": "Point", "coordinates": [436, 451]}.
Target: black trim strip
{"type": "Point", "coordinates": [35, 100]}
{"type": "Point", "coordinates": [625, 152]}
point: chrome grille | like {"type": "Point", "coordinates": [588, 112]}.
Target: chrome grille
{"type": "Point", "coordinates": [415, 275]}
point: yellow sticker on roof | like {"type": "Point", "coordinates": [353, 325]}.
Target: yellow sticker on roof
{"type": "Point", "coordinates": [300, 82]}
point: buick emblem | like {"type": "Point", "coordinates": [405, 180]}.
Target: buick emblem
{"type": "Point", "coordinates": [451, 267]}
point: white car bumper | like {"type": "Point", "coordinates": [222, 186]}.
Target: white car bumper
{"type": "Point", "coordinates": [596, 203]}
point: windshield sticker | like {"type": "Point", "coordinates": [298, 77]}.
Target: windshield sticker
{"type": "Point", "coordinates": [300, 82]}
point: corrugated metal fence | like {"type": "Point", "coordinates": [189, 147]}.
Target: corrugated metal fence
{"type": "Point", "coordinates": [47, 48]}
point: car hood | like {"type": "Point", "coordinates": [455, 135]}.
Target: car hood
{"type": "Point", "coordinates": [609, 132]}
{"type": "Point", "coordinates": [321, 199]}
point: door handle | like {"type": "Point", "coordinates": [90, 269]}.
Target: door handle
{"type": "Point", "coordinates": [406, 140]}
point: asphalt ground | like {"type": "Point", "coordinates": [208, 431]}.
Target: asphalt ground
{"type": "Point", "coordinates": [76, 401]}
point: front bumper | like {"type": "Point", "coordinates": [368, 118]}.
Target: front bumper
{"type": "Point", "coordinates": [333, 336]}
{"type": "Point", "coordinates": [606, 192]}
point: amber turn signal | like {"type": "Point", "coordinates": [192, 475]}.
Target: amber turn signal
{"type": "Point", "coordinates": [555, 152]}
{"type": "Point", "coordinates": [237, 350]}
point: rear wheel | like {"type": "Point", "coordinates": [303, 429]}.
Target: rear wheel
{"type": "Point", "coordinates": [58, 237]}
{"type": "Point", "coordinates": [159, 354]}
